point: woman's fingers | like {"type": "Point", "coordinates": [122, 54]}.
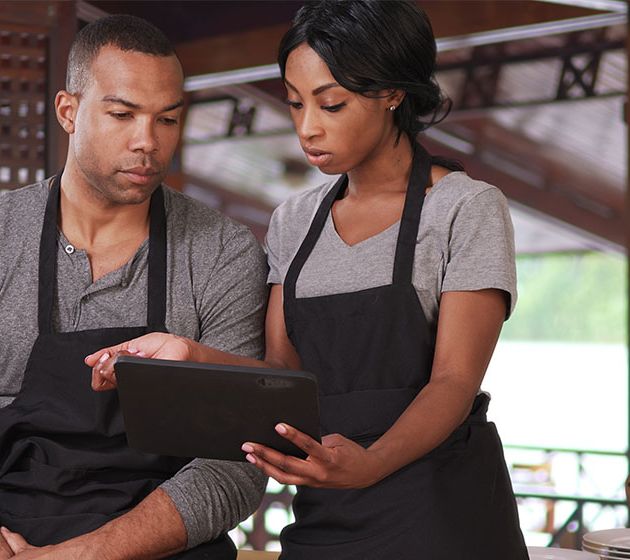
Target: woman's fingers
{"type": "Point", "coordinates": [288, 469]}
{"type": "Point", "coordinates": [275, 472]}
{"type": "Point", "coordinates": [305, 442]}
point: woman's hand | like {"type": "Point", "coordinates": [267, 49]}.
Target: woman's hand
{"type": "Point", "coordinates": [335, 463]}
{"type": "Point", "coordinates": [153, 345]}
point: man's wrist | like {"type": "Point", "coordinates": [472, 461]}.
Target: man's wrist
{"type": "Point", "coordinates": [193, 350]}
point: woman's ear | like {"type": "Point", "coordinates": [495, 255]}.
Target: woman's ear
{"type": "Point", "coordinates": [395, 97]}
{"type": "Point", "coordinates": [66, 105]}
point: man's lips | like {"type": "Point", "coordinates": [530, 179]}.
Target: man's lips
{"type": "Point", "coordinates": [317, 157]}
{"type": "Point", "coordinates": [140, 175]}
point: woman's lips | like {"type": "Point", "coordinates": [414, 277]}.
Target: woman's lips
{"type": "Point", "coordinates": [317, 157]}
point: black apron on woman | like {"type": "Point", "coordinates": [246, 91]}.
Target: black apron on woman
{"type": "Point", "coordinates": [65, 467]}
{"type": "Point", "coordinates": [372, 351]}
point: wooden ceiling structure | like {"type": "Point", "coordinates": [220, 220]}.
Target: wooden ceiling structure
{"type": "Point", "coordinates": [221, 36]}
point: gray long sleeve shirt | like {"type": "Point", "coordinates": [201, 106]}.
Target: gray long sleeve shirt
{"type": "Point", "coordinates": [216, 290]}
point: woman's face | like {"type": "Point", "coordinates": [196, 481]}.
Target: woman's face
{"type": "Point", "coordinates": [339, 130]}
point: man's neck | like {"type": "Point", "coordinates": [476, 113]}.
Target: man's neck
{"type": "Point", "coordinates": [110, 233]}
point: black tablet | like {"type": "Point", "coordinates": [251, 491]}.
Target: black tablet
{"type": "Point", "coordinates": [188, 409]}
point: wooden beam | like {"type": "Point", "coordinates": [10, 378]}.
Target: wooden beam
{"type": "Point", "coordinates": [28, 12]}
{"type": "Point", "coordinates": [553, 202]}
{"type": "Point", "coordinates": [235, 50]}
{"type": "Point", "coordinates": [462, 17]}
{"type": "Point", "coordinates": [229, 52]}
{"type": "Point", "coordinates": [556, 169]}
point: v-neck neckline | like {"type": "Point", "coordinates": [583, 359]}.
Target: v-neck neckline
{"type": "Point", "coordinates": [330, 223]}
{"type": "Point", "coordinates": [332, 229]}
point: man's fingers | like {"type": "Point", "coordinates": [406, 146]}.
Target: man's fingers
{"type": "Point", "coordinates": [103, 376]}
{"type": "Point", "coordinates": [94, 359]}
{"type": "Point", "coordinates": [14, 540]}
{"type": "Point", "coordinates": [103, 372]}
{"type": "Point", "coordinates": [5, 549]}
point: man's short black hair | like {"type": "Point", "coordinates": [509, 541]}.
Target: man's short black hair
{"type": "Point", "coordinates": [126, 32]}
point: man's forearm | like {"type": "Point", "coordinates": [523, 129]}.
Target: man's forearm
{"type": "Point", "coordinates": [153, 529]}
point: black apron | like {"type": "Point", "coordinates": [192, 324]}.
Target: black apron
{"type": "Point", "coordinates": [372, 351]}
{"type": "Point", "coordinates": [65, 466]}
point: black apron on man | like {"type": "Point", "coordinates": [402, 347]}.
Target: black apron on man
{"type": "Point", "coordinates": [65, 466]}
{"type": "Point", "coordinates": [372, 351]}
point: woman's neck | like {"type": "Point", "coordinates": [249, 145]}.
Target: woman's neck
{"type": "Point", "coordinates": [387, 170]}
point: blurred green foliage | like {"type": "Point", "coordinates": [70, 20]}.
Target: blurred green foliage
{"type": "Point", "coordinates": [570, 297]}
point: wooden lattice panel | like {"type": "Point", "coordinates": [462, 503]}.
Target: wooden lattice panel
{"type": "Point", "coordinates": [23, 91]}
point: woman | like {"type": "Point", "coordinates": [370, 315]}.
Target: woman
{"type": "Point", "coordinates": [394, 296]}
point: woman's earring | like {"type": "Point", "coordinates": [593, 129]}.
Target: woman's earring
{"type": "Point", "coordinates": [392, 107]}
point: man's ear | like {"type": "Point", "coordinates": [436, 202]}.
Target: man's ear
{"type": "Point", "coordinates": [66, 106]}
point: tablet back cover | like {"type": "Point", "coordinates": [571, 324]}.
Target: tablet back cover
{"type": "Point", "coordinates": [188, 409]}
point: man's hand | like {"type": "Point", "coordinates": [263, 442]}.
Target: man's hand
{"type": "Point", "coordinates": [5, 549]}
{"type": "Point", "coordinates": [153, 345]}
{"type": "Point", "coordinates": [19, 549]}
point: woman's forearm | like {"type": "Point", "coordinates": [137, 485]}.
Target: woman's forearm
{"type": "Point", "coordinates": [201, 353]}
{"type": "Point", "coordinates": [433, 415]}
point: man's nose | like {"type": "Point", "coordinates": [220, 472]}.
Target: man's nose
{"type": "Point", "coordinates": [145, 137]}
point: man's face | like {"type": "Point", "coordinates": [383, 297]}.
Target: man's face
{"type": "Point", "coordinates": [126, 125]}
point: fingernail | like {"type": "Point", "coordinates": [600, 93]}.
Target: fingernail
{"type": "Point", "coordinates": [132, 350]}
{"type": "Point", "coordinates": [141, 354]}
{"type": "Point", "coordinates": [247, 448]}
{"type": "Point", "coordinates": [103, 358]}
{"type": "Point", "coordinates": [281, 429]}
{"type": "Point", "coordinates": [251, 458]}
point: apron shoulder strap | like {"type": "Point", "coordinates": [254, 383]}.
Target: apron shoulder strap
{"type": "Point", "coordinates": [314, 231]}
{"type": "Point", "coordinates": [410, 220]}
{"type": "Point", "coordinates": [156, 297]}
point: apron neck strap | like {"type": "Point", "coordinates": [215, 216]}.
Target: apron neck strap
{"type": "Point", "coordinates": [311, 237]}
{"type": "Point", "coordinates": [410, 220]}
{"type": "Point", "coordinates": [409, 224]}
{"type": "Point", "coordinates": [156, 286]}
{"type": "Point", "coordinates": [48, 250]}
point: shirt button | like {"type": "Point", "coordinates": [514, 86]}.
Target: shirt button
{"type": "Point", "coordinates": [69, 249]}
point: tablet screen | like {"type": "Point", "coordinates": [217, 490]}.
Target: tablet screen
{"type": "Point", "coordinates": [188, 409]}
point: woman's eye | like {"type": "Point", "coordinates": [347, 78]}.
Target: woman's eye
{"type": "Point", "coordinates": [293, 104]}
{"type": "Point", "coordinates": [333, 108]}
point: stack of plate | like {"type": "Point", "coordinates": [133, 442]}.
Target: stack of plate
{"type": "Point", "coordinates": [611, 543]}
{"type": "Point", "coordinates": [540, 553]}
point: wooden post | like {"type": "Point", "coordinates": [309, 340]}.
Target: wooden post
{"type": "Point", "coordinates": [61, 36]}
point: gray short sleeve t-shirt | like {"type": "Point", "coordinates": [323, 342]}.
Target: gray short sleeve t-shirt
{"type": "Point", "coordinates": [465, 242]}
{"type": "Point", "coordinates": [216, 294]}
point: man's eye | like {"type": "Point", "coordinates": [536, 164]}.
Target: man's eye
{"type": "Point", "coordinates": [169, 121]}
{"type": "Point", "coordinates": [333, 108]}
{"type": "Point", "coordinates": [121, 116]}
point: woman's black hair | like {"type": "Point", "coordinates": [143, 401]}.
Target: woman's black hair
{"type": "Point", "coordinates": [375, 45]}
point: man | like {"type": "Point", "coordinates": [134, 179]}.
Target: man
{"type": "Point", "coordinates": [100, 253]}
